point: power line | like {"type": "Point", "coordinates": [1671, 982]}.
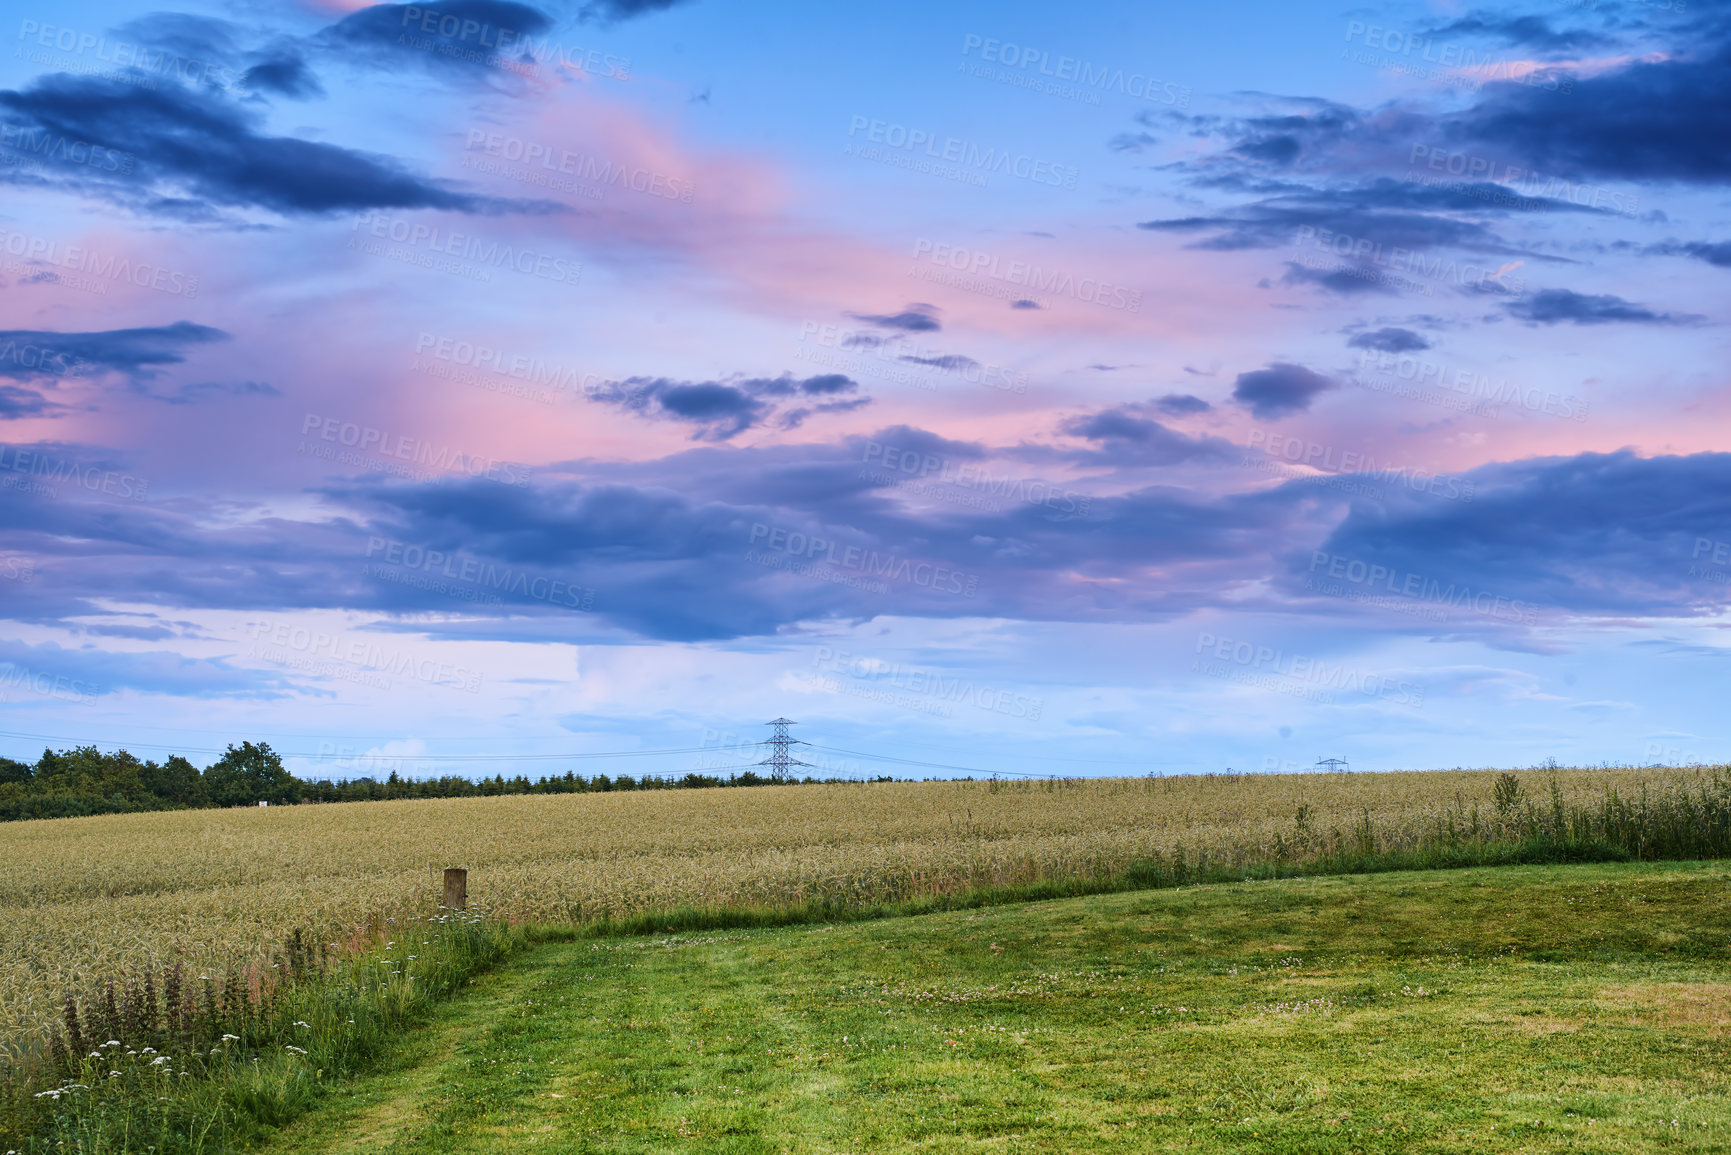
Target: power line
{"type": "Point", "coordinates": [427, 757]}
{"type": "Point", "coordinates": [929, 765]}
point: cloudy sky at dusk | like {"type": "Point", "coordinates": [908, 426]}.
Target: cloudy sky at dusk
{"type": "Point", "coordinates": [1026, 389]}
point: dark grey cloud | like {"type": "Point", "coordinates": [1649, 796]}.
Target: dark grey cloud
{"type": "Point", "coordinates": [664, 543]}
{"type": "Point", "coordinates": [1280, 139]}
{"type": "Point", "coordinates": [721, 410]}
{"type": "Point", "coordinates": [1644, 120]}
{"type": "Point", "coordinates": [205, 51]}
{"type": "Point", "coordinates": [912, 439]}
{"type": "Point", "coordinates": [916, 318]}
{"type": "Point", "coordinates": [1385, 214]}
{"type": "Point", "coordinates": [465, 38]}
{"type": "Point", "coordinates": [1024, 303]}
{"type": "Point", "coordinates": [1597, 533]}
{"type": "Point", "coordinates": [1717, 254]}
{"type": "Point", "coordinates": [615, 11]}
{"type": "Point", "coordinates": [1537, 33]}
{"type": "Point", "coordinates": [17, 403]}
{"type": "Point", "coordinates": [829, 383]}
{"type": "Point", "coordinates": [1132, 141]}
{"type": "Point", "coordinates": [1650, 119]}
{"type": "Point", "coordinates": [676, 560]}
{"type": "Point", "coordinates": [1556, 306]}
{"type": "Point", "coordinates": [137, 353]}
{"type": "Point", "coordinates": [200, 391]}
{"type": "Point", "coordinates": [950, 362]}
{"type": "Point", "coordinates": [1347, 279]}
{"type": "Point", "coordinates": [284, 73]}
{"type": "Point", "coordinates": [197, 152]}
{"type": "Point", "coordinates": [1181, 405]}
{"type": "Point", "coordinates": [1389, 340]}
{"type": "Point", "coordinates": [1129, 436]}
{"type": "Point", "coordinates": [1280, 389]}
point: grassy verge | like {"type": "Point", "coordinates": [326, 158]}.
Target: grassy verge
{"type": "Point", "coordinates": [1521, 1009]}
{"type": "Point", "coordinates": [203, 1063]}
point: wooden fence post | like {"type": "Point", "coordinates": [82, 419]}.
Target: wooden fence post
{"type": "Point", "coordinates": [456, 888]}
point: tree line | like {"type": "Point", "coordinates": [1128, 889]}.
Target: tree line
{"type": "Point", "coordinates": [83, 781]}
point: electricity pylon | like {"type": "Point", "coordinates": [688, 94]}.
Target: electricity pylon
{"type": "Point", "coordinates": [779, 760]}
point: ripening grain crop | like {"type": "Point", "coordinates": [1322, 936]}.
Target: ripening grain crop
{"type": "Point", "coordinates": [83, 898]}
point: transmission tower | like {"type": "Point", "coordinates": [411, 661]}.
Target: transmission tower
{"type": "Point", "coordinates": [1333, 763]}
{"type": "Point", "coordinates": [779, 760]}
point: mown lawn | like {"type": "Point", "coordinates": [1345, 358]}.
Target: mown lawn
{"type": "Point", "coordinates": [1577, 1008]}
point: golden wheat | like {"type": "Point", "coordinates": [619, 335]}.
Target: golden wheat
{"type": "Point", "coordinates": [83, 898]}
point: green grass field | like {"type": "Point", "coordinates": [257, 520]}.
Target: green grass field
{"type": "Point", "coordinates": [1567, 1008]}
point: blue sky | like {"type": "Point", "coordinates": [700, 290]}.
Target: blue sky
{"type": "Point", "coordinates": [1012, 388]}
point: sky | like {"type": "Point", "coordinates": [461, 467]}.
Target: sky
{"type": "Point", "coordinates": [485, 387]}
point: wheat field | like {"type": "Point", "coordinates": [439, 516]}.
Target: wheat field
{"type": "Point", "coordinates": [84, 898]}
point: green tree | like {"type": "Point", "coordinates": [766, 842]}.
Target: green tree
{"type": "Point", "coordinates": [12, 770]}
{"type": "Point", "coordinates": [116, 779]}
{"type": "Point", "coordinates": [246, 775]}
{"type": "Point", "coordinates": [176, 782]}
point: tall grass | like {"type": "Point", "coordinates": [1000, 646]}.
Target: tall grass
{"type": "Point", "coordinates": [1685, 821]}
{"type": "Point", "coordinates": [178, 1062]}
